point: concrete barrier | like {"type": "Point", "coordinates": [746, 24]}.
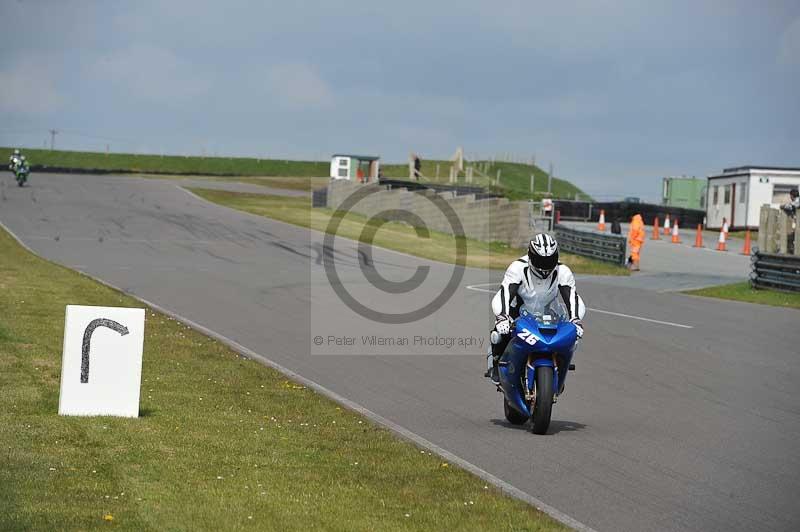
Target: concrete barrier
{"type": "Point", "coordinates": [488, 220]}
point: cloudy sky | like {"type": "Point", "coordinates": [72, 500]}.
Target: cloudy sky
{"type": "Point", "coordinates": [616, 94]}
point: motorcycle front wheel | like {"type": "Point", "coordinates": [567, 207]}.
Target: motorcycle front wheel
{"type": "Point", "coordinates": [544, 400]}
{"type": "Point", "coordinates": [512, 415]}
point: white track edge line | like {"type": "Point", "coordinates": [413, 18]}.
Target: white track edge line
{"type": "Point", "coordinates": [418, 440]}
{"type": "Point", "coordinates": [476, 288]}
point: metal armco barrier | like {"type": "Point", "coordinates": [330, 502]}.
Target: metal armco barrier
{"type": "Point", "coordinates": [775, 271]}
{"type": "Point", "coordinates": [624, 211]}
{"type": "Point", "coordinates": [607, 248]}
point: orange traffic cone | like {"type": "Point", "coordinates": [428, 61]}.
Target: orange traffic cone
{"type": "Point", "coordinates": [656, 231]}
{"type": "Point", "coordinates": [601, 226]}
{"type": "Point", "coordinates": [676, 239]}
{"type": "Point", "coordinates": [666, 226]}
{"type": "Point", "coordinates": [746, 249]}
{"type": "Point", "coordinates": [721, 242]}
{"type": "Point", "coordinates": [698, 240]}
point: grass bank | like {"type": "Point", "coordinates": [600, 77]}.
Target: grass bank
{"type": "Point", "coordinates": [396, 236]}
{"type": "Point", "coordinates": [514, 177]}
{"type": "Point", "coordinates": [743, 292]}
{"type": "Point", "coordinates": [174, 164]}
{"type": "Point", "coordinates": [223, 443]}
{"type": "Point", "coordinates": [291, 183]}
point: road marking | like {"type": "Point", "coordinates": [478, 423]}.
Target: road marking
{"type": "Point", "coordinates": [641, 318]}
{"type": "Point", "coordinates": [478, 288]}
{"type": "Point", "coordinates": [403, 432]}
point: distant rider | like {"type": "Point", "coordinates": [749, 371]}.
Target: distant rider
{"type": "Point", "coordinates": [535, 275]}
{"type": "Point", "coordinates": [14, 159]}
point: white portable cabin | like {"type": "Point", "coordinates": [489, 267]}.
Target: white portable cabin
{"type": "Point", "coordinates": [737, 194]}
{"type": "Point", "coordinates": [364, 168]}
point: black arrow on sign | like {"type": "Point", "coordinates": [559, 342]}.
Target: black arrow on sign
{"type": "Point", "coordinates": [87, 339]}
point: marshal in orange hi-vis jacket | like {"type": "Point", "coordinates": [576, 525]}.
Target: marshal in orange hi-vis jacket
{"type": "Point", "coordinates": [636, 236]}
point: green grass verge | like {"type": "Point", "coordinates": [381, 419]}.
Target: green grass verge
{"type": "Point", "coordinates": [224, 442]}
{"type": "Point", "coordinates": [291, 183]}
{"type": "Point", "coordinates": [514, 178]}
{"type": "Point", "coordinates": [741, 233]}
{"type": "Point", "coordinates": [743, 292]}
{"type": "Point", "coordinates": [175, 164]}
{"type": "Point", "coordinates": [396, 236]}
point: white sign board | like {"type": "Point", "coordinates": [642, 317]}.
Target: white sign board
{"type": "Point", "coordinates": [101, 368]}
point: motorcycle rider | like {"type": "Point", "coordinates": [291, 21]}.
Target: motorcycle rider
{"type": "Point", "coordinates": [536, 274]}
{"type": "Point", "coordinates": [21, 170]}
{"type": "Point", "coordinates": [13, 159]}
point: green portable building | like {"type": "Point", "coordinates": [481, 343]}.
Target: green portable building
{"type": "Point", "coordinates": [687, 192]}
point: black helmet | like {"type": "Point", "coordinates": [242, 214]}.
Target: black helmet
{"type": "Point", "coordinates": [543, 255]}
{"type": "Point", "coordinates": [793, 193]}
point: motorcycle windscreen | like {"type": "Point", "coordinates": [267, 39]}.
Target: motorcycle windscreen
{"type": "Point", "coordinates": [546, 310]}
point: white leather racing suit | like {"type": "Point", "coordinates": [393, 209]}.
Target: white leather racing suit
{"type": "Point", "coordinates": [520, 286]}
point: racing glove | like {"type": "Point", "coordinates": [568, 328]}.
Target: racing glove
{"type": "Point", "coordinates": [578, 326]}
{"type": "Point", "coordinates": [503, 324]}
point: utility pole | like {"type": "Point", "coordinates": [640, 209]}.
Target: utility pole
{"type": "Point", "coordinates": [531, 184]}
{"type": "Point", "coordinates": [53, 133]}
{"type": "Point", "coordinates": [550, 178]}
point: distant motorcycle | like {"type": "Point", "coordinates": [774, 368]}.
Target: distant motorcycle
{"type": "Point", "coordinates": [535, 363]}
{"type": "Point", "coordinates": [21, 172]}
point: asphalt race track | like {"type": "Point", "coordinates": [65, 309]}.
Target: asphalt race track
{"type": "Point", "coordinates": [687, 421]}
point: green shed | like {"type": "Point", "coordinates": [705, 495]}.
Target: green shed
{"type": "Point", "coordinates": [687, 192]}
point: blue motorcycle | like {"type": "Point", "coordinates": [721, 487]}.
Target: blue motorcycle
{"type": "Point", "coordinates": [535, 363]}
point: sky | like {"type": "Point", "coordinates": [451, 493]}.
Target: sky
{"type": "Point", "coordinates": [615, 94]}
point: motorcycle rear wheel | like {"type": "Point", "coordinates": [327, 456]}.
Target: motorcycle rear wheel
{"type": "Point", "coordinates": [513, 417]}
{"type": "Point", "coordinates": [543, 406]}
